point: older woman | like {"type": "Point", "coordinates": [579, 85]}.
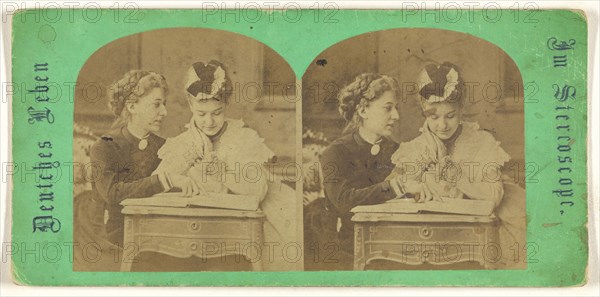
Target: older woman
{"type": "Point", "coordinates": [215, 151]}
{"type": "Point", "coordinates": [124, 158]}
{"type": "Point", "coordinates": [355, 166]}
{"type": "Point", "coordinates": [127, 155]}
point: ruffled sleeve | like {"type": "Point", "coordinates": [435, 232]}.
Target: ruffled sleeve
{"type": "Point", "coordinates": [411, 158]}
{"type": "Point", "coordinates": [244, 153]}
{"type": "Point", "coordinates": [490, 150]}
{"type": "Point", "coordinates": [482, 159]}
{"type": "Point", "coordinates": [243, 144]}
{"type": "Point", "coordinates": [178, 154]}
{"type": "Point", "coordinates": [479, 146]}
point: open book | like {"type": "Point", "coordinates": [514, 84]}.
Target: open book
{"type": "Point", "coordinates": [216, 200]}
{"type": "Point", "coordinates": [453, 206]}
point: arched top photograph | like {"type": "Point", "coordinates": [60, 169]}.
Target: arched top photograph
{"type": "Point", "coordinates": [414, 130]}
{"type": "Point", "coordinates": [184, 133]}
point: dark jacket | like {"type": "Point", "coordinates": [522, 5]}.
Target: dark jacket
{"type": "Point", "coordinates": [352, 176]}
{"type": "Point", "coordinates": [123, 171]}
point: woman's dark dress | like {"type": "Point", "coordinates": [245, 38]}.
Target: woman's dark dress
{"type": "Point", "coordinates": [119, 170]}
{"type": "Point", "coordinates": [126, 172]}
{"type": "Point", "coordinates": [352, 176]}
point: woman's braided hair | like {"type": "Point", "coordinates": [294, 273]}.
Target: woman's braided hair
{"type": "Point", "coordinates": [129, 89]}
{"type": "Point", "coordinates": [365, 88]}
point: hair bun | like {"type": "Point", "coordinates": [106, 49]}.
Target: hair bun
{"type": "Point", "coordinates": [130, 87]}
{"type": "Point", "coordinates": [365, 88]}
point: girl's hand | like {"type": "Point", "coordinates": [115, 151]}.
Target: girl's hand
{"type": "Point", "coordinates": [426, 194]}
{"type": "Point", "coordinates": [188, 186]}
{"type": "Point", "coordinates": [420, 191]}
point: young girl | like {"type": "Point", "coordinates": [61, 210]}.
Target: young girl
{"type": "Point", "coordinates": [453, 159]}
{"type": "Point", "coordinates": [216, 151]}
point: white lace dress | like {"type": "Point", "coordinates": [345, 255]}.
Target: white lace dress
{"type": "Point", "coordinates": [242, 153]}
{"type": "Point", "coordinates": [471, 169]}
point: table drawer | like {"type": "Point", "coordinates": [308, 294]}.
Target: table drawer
{"type": "Point", "coordinates": [434, 232]}
{"type": "Point", "coordinates": [189, 227]}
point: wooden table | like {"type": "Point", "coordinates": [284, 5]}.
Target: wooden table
{"type": "Point", "coordinates": [184, 232]}
{"type": "Point", "coordinates": [416, 239]}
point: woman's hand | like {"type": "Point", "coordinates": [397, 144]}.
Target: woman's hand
{"type": "Point", "coordinates": [187, 185]}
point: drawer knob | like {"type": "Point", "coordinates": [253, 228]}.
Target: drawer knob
{"type": "Point", "coordinates": [194, 226]}
{"type": "Point", "coordinates": [193, 246]}
{"type": "Point", "coordinates": [426, 232]}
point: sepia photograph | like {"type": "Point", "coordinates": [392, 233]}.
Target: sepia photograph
{"type": "Point", "coordinates": [413, 154]}
{"type": "Point", "coordinates": [185, 145]}
{"type": "Point", "coordinates": [271, 145]}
